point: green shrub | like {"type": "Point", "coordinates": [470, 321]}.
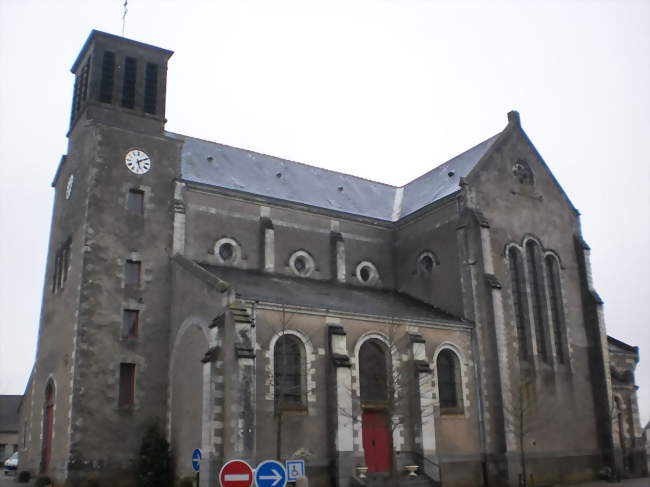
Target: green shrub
{"type": "Point", "coordinates": [42, 481]}
{"type": "Point", "coordinates": [154, 463]}
{"type": "Point", "coordinates": [91, 482]}
{"type": "Point", "coordinates": [23, 477]}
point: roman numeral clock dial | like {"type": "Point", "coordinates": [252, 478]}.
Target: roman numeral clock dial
{"type": "Point", "coordinates": [137, 161]}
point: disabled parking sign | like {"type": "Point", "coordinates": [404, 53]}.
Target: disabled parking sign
{"type": "Point", "coordinates": [295, 469]}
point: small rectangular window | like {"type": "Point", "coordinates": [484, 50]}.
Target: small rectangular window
{"type": "Point", "coordinates": [150, 88]}
{"type": "Point", "coordinates": [128, 84]}
{"type": "Point", "coordinates": [126, 397]}
{"type": "Point", "coordinates": [57, 268]}
{"type": "Point", "coordinates": [132, 274]}
{"type": "Point", "coordinates": [135, 201]}
{"type": "Point", "coordinates": [65, 260]}
{"type": "Point", "coordinates": [106, 83]}
{"type": "Point", "coordinates": [130, 323]}
{"type": "Point", "coordinates": [61, 265]}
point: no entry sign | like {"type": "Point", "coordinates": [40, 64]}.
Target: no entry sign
{"type": "Point", "coordinates": [236, 473]}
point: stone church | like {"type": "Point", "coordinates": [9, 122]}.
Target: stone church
{"type": "Point", "coordinates": [260, 308]}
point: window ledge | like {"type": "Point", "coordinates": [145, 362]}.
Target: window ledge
{"type": "Point", "coordinates": [293, 410]}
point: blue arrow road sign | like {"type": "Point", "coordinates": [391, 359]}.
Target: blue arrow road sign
{"type": "Point", "coordinates": [270, 473]}
{"type": "Point", "coordinates": [196, 460]}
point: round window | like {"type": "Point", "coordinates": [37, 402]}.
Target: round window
{"type": "Point", "coordinates": [367, 273]}
{"type": "Point", "coordinates": [301, 263]}
{"type": "Point", "coordinates": [523, 173]}
{"type": "Point", "coordinates": [227, 251]}
{"type": "Point", "coordinates": [426, 262]}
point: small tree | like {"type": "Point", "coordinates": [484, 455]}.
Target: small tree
{"type": "Point", "coordinates": [285, 392]}
{"type": "Point", "coordinates": [154, 461]}
{"type": "Point", "coordinates": [525, 416]}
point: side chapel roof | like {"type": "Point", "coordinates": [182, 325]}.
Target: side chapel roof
{"type": "Point", "coordinates": [250, 172]}
{"type": "Point", "coordinates": [313, 293]}
{"type": "Point", "coordinates": [615, 345]}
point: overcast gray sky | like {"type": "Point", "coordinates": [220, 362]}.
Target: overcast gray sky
{"type": "Point", "coordinates": [383, 89]}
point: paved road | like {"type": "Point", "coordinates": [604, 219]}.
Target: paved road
{"type": "Point", "coordinates": [645, 482]}
{"type": "Point", "coordinates": [8, 480]}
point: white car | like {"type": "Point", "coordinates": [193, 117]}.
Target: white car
{"type": "Point", "coordinates": [11, 464]}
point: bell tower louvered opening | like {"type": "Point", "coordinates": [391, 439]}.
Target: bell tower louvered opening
{"type": "Point", "coordinates": [116, 78]}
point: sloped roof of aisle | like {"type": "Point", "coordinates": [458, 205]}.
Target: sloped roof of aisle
{"type": "Point", "coordinates": [250, 172]}
{"type": "Point", "coordinates": [320, 294]}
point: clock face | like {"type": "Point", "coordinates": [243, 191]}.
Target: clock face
{"type": "Point", "coordinates": [137, 161]}
{"type": "Point", "coordinates": [68, 188]}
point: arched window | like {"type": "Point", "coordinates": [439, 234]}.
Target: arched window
{"type": "Point", "coordinates": [537, 297]}
{"type": "Point", "coordinates": [519, 299]}
{"type": "Point", "coordinates": [557, 314]}
{"type": "Point", "coordinates": [450, 390]}
{"type": "Point", "coordinates": [48, 426]}
{"type": "Point", "coordinates": [373, 373]}
{"type": "Point", "coordinates": [289, 372]}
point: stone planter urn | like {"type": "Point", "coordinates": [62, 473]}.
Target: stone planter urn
{"type": "Point", "coordinates": [411, 469]}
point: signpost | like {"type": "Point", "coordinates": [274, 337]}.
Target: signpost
{"type": "Point", "coordinates": [236, 473]}
{"type": "Point", "coordinates": [295, 469]}
{"type": "Point", "coordinates": [270, 474]}
{"type": "Point", "coordinates": [196, 459]}
{"type": "Point", "coordinates": [196, 463]}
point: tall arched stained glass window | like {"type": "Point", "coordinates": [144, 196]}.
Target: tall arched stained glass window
{"type": "Point", "coordinates": [373, 373]}
{"type": "Point", "coordinates": [518, 287]}
{"type": "Point", "coordinates": [449, 381]}
{"type": "Point", "coordinates": [289, 373]}
{"type": "Point", "coordinates": [537, 297]}
{"type": "Point", "coordinates": [557, 309]}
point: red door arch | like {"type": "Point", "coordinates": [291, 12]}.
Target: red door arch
{"type": "Point", "coordinates": [48, 425]}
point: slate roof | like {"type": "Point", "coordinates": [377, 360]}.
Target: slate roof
{"type": "Point", "coordinates": [615, 345]}
{"type": "Point", "coordinates": [442, 180]}
{"type": "Point", "coordinates": [327, 295]}
{"type": "Point", "coordinates": [9, 413]}
{"type": "Point", "coordinates": [250, 172]}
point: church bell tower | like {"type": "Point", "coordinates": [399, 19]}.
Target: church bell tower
{"type": "Point", "coordinates": [104, 329]}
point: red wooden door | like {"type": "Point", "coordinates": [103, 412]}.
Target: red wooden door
{"type": "Point", "coordinates": [48, 425]}
{"type": "Point", "coordinates": [376, 441]}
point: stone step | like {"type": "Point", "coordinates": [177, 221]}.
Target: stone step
{"type": "Point", "coordinates": [384, 480]}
